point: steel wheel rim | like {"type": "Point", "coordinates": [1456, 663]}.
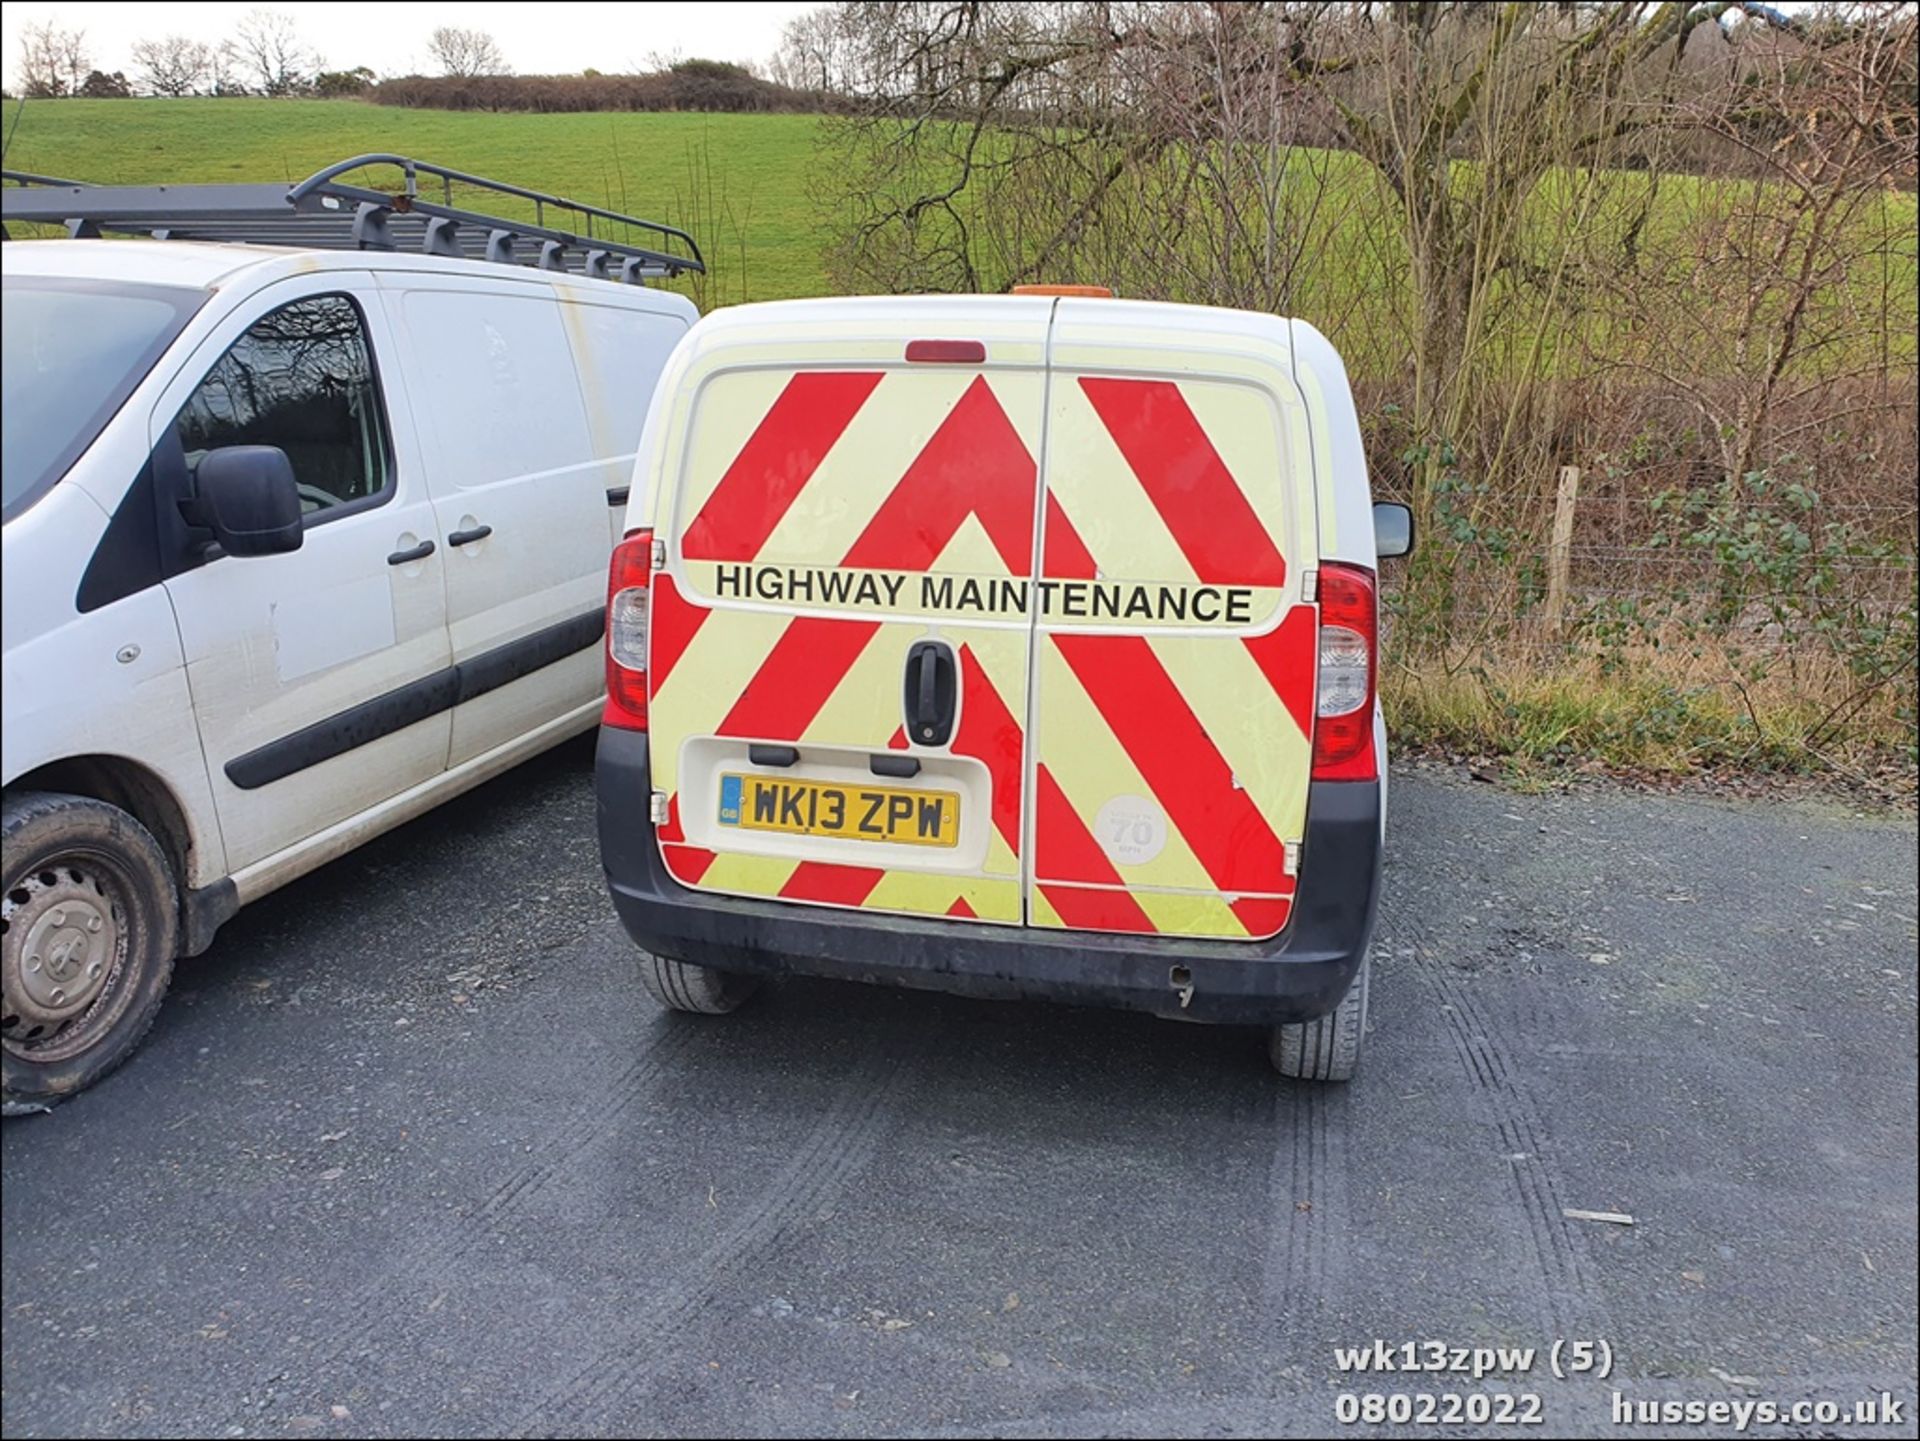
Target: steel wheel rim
{"type": "Point", "coordinates": [63, 956]}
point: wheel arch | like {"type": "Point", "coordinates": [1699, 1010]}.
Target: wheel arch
{"type": "Point", "coordinates": [142, 793]}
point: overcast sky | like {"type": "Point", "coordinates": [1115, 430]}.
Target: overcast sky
{"type": "Point", "coordinates": [391, 35]}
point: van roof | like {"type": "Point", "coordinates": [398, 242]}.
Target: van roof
{"type": "Point", "coordinates": [141, 262]}
{"type": "Point", "coordinates": [200, 264]}
{"type": "Point", "coordinates": [945, 315]}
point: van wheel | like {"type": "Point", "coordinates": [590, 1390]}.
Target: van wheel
{"type": "Point", "coordinates": [89, 916]}
{"type": "Point", "coordinates": [701, 989]}
{"type": "Point", "coordinates": [1327, 1049]}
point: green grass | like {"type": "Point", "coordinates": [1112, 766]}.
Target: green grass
{"type": "Point", "coordinates": [745, 185]}
{"type": "Point", "coordinates": [756, 220]}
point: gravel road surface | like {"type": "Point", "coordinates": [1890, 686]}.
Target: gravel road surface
{"type": "Point", "coordinates": [409, 1152]}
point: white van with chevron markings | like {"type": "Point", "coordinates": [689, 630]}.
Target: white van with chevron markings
{"type": "Point", "coordinates": [1019, 645]}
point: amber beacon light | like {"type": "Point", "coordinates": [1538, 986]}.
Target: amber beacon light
{"type": "Point", "coordinates": [1085, 292]}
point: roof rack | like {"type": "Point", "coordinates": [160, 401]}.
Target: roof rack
{"type": "Point", "coordinates": [323, 212]}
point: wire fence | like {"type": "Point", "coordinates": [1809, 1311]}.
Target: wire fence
{"type": "Point", "coordinates": [1663, 559]}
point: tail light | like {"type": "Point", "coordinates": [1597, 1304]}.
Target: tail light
{"type": "Point", "coordinates": [1349, 642]}
{"type": "Point", "coordinates": [628, 603]}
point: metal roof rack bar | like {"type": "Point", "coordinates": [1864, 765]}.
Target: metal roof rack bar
{"type": "Point", "coordinates": [325, 212]}
{"type": "Point", "coordinates": [27, 177]}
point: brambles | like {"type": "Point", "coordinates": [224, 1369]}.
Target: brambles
{"type": "Point", "coordinates": [1663, 252]}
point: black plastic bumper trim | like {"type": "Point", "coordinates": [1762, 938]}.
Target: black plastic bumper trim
{"type": "Point", "coordinates": [1298, 975]}
{"type": "Point", "coordinates": [203, 911]}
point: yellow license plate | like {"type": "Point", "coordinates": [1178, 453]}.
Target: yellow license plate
{"type": "Point", "coordinates": [822, 808]}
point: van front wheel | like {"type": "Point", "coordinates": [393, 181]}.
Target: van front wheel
{"type": "Point", "coordinates": [1327, 1049]}
{"type": "Point", "coordinates": [89, 918]}
{"type": "Point", "coordinates": [700, 989]}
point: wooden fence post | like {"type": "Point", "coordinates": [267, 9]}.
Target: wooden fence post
{"type": "Point", "coordinates": [1560, 547]}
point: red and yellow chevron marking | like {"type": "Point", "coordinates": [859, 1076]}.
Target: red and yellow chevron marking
{"type": "Point", "coordinates": [936, 472]}
{"type": "Point", "coordinates": [903, 472]}
{"type": "Point", "coordinates": [1214, 729]}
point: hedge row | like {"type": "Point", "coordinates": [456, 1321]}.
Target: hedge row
{"type": "Point", "coordinates": [690, 85]}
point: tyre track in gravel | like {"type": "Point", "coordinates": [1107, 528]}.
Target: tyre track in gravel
{"type": "Point", "coordinates": [588, 1129]}
{"type": "Point", "coordinates": [1306, 1266]}
{"type": "Point", "coordinates": [838, 1147]}
{"type": "Point", "coordinates": [1571, 1305]}
{"type": "Point", "coordinates": [402, 1286]}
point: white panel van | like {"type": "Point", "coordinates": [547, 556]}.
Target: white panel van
{"type": "Point", "coordinates": [298, 544]}
{"type": "Point", "coordinates": [1019, 645]}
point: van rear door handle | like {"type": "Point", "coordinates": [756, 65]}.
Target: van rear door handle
{"type": "Point", "coordinates": [416, 552]}
{"type": "Point", "coordinates": [467, 537]}
{"type": "Point", "coordinates": [932, 692]}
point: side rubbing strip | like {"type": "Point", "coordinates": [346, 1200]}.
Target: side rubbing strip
{"type": "Point", "coordinates": [356, 726]}
{"type": "Point", "coordinates": [505, 664]}
{"type": "Point", "coordinates": [414, 702]}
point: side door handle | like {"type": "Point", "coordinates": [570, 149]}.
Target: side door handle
{"type": "Point", "coordinates": [414, 552]}
{"type": "Point", "coordinates": [932, 692]}
{"type": "Point", "coordinates": [467, 537]}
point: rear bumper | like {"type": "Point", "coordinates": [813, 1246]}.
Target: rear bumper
{"type": "Point", "coordinates": [1300, 974]}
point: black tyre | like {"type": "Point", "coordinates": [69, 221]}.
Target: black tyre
{"type": "Point", "coordinates": [700, 989]}
{"type": "Point", "coordinates": [1327, 1049]}
{"type": "Point", "coordinates": [91, 917]}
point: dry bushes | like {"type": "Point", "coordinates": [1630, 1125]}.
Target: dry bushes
{"type": "Point", "coordinates": [1624, 238]}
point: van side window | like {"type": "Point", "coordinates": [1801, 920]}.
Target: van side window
{"type": "Point", "coordinates": [301, 378]}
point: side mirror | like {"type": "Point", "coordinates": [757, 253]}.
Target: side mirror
{"type": "Point", "coordinates": [1392, 530]}
{"type": "Point", "coordinates": [247, 496]}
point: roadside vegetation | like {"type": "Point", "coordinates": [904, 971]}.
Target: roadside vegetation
{"type": "Point", "coordinates": [1627, 291]}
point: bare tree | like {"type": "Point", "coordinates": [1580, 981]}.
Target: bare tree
{"type": "Point", "coordinates": [41, 74]}
{"type": "Point", "coordinates": [1760, 301]}
{"type": "Point", "coordinates": [75, 60]}
{"type": "Point", "coordinates": [819, 51]}
{"type": "Point", "coordinates": [1667, 243]}
{"type": "Point", "coordinates": [270, 48]}
{"type": "Point", "coordinates": [174, 65]}
{"type": "Point", "coordinates": [1183, 148]}
{"type": "Point", "coordinates": [466, 53]}
{"type": "Point", "coordinates": [53, 61]}
{"type": "Point", "coordinates": [226, 70]}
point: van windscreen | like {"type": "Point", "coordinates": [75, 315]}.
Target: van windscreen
{"type": "Point", "coordinates": [73, 352]}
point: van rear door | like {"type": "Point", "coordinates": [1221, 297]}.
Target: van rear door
{"type": "Point", "coordinates": [1175, 641]}
{"type": "Point", "coordinates": [840, 629]}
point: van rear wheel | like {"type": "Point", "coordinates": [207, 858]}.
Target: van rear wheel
{"type": "Point", "coordinates": [89, 920]}
{"type": "Point", "coordinates": [700, 989]}
{"type": "Point", "coordinates": [1327, 1049]}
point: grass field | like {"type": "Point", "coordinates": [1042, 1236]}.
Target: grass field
{"type": "Point", "coordinates": [747, 186]}
{"type": "Point", "coordinates": [757, 220]}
